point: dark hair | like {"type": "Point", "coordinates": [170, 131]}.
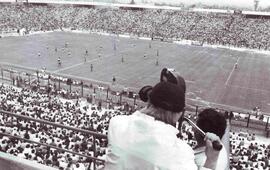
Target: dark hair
{"type": "Point", "coordinates": [209, 120]}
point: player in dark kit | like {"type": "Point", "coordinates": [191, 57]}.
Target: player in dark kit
{"type": "Point", "coordinates": [113, 80]}
{"type": "Point", "coordinates": [85, 56]}
{"type": "Point", "coordinates": [157, 62]}
{"type": "Point", "coordinates": [91, 67]}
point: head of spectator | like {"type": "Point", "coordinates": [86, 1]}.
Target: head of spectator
{"type": "Point", "coordinates": [209, 120]}
{"type": "Point", "coordinates": [166, 101]}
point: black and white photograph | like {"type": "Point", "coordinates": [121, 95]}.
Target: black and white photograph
{"type": "Point", "coordinates": [134, 84]}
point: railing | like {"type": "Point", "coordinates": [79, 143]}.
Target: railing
{"type": "Point", "coordinates": [248, 120]}
{"type": "Point", "coordinates": [245, 119]}
{"type": "Point", "coordinates": [11, 72]}
{"type": "Point", "coordinates": [94, 134]}
{"type": "Point", "coordinates": [49, 81]}
{"type": "Point", "coordinates": [12, 162]}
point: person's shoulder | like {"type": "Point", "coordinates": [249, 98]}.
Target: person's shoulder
{"type": "Point", "coordinates": [117, 118]}
{"type": "Point", "coordinates": [120, 119]}
{"type": "Point", "coordinates": [185, 147]}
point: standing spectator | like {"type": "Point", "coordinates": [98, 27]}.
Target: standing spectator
{"type": "Point", "coordinates": [231, 116]}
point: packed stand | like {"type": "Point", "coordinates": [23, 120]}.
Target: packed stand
{"type": "Point", "coordinates": [212, 28]}
{"type": "Point", "coordinates": [75, 113]}
{"type": "Point", "coordinates": [248, 152]}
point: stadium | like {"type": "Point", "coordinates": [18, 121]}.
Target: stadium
{"type": "Point", "coordinates": [68, 67]}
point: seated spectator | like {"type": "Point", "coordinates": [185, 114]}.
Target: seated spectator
{"type": "Point", "coordinates": [68, 112]}
{"type": "Point", "coordinates": [248, 153]}
{"type": "Point", "coordinates": [212, 28]}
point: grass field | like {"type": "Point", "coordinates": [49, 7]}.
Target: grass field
{"type": "Point", "coordinates": [209, 72]}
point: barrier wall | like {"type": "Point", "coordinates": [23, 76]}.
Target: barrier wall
{"type": "Point", "coordinates": [10, 162]}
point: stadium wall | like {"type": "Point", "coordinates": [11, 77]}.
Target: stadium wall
{"type": "Point", "coordinates": [10, 162]}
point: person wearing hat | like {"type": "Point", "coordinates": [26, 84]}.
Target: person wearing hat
{"type": "Point", "coordinates": [147, 138]}
{"type": "Point", "coordinates": [166, 75]}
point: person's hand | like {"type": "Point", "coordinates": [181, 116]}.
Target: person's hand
{"type": "Point", "coordinates": [210, 152]}
{"type": "Point", "coordinates": [209, 139]}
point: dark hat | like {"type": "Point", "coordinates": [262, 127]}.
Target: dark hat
{"type": "Point", "coordinates": [168, 96]}
{"type": "Point", "coordinates": [144, 92]}
{"type": "Point", "coordinates": [173, 77]}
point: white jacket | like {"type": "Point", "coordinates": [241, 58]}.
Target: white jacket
{"type": "Point", "coordinates": [139, 142]}
{"type": "Point", "coordinates": [222, 162]}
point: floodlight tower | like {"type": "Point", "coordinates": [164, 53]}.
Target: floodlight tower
{"type": "Point", "coordinates": [132, 2]}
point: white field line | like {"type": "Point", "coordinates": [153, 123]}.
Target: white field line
{"type": "Point", "coordinates": [189, 81]}
{"type": "Point", "coordinates": [75, 65]}
{"type": "Point", "coordinates": [18, 66]}
{"type": "Point", "coordinates": [157, 77]}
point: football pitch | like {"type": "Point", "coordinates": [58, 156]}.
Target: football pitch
{"type": "Point", "coordinates": [209, 72]}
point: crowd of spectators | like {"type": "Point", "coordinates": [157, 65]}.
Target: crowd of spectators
{"type": "Point", "coordinates": [245, 152]}
{"type": "Point", "coordinates": [248, 153]}
{"type": "Point", "coordinates": [213, 28]}
{"type": "Point", "coordinates": [76, 113]}
{"type": "Point", "coordinates": [81, 113]}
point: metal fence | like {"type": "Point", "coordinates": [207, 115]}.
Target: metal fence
{"type": "Point", "coordinates": [98, 92]}
{"type": "Point", "coordinates": [245, 119]}
{"type": "Point", "coordinates": [68, 86]}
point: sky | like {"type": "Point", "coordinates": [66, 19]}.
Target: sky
{"type": "Point", "coordinates": [236, 3]}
